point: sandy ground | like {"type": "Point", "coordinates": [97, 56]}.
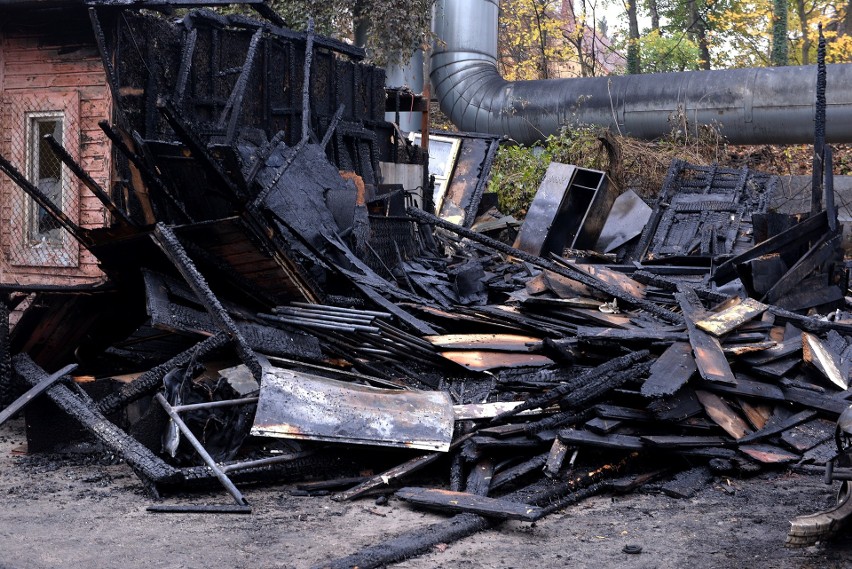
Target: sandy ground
{"type": "Point", "coordinates": [86, 511]}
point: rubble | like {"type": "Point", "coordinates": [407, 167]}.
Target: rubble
{"type": "Point", "coordinates": [263, 312]}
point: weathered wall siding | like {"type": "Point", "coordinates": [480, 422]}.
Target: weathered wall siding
{"type": "Point", "coordinates": [49, 63]}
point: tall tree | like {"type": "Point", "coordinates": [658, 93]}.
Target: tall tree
{"type": "Point", "coordinates": [633, 63]}
{"type": "Point", "coordinates": [779, 57]}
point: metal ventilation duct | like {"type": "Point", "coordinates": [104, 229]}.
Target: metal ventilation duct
{"type": "Point", "coordinates": [751, 106]}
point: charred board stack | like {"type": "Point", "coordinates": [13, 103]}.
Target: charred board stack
{"type": "Point", "coordinates": [253, 294]}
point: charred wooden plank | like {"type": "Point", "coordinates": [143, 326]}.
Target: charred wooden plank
{"type": "Point", "coordinates": [516, 472]}
{"type": "Point", "coordinates": [687, 483]}
{"type": "Point", "coordinates": [769, 454]}
{"type": "Point", "coordinates": [445, 500]}
{"type": "Point", "coordinates": [747, 388]}
{"type": "Point", "coordinates": [682, 405]}
{"type": "Point", "coordinates": [821, 252]}
{"type": "Point", "coordinates": [670, 371]}
{"type": "Point", "coordinates": [723, 415]}
{"type": "Point", "coordinates": [816, 353]}
{"type": "Point", "coordinates": [773, 427]}
{"type": "Point", "coordinates": [815, 225]}
{"type": "Point", "coordinates": [757, 415]}
{"type": "Point", "coordinates": [724, 322]}
{"type": "Point", "coordinates": [478, 360]}
{"type": "Point", "coordinates": [480, 476]}
{"type": "Point", "coordinates": [602, 426]}
{"type": "Point", "coordinates": [555, 459]}
{"type": "Point", "coordinates": [778, 351]}
{"type": "Point", "coordinates": [586, 438]}
{"type": "Point", "coordinates": [497, 342]}
{"type": "Point", "coordinates": [709, 357]}
{"type": "Point", "coordinates": [805, 436]}
{"type": "Point", "coordinates": [142, 460]}
{"type": "Point", "coordinates": [683, 441]}
{"type": "Point", "coordinates": [604, 336]}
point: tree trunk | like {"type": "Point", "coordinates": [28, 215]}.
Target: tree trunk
{"type": "Point", "coordinates": [803, 26]}
{"type": "Point", "coordinates": [699, 34]}
{"type": "Point", "coordinates": [654, 13]}
{"type": "Point", "coordinates": [633, 67]}
{"type": "Point", "coordinates": [778, 56]}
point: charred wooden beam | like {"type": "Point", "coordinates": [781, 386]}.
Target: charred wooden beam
{"type": "Point", "coordinates": [87, 180]}
{"type": "Point", "coordinates": [448, 501]}
{"type": "Point", "coordinates": [149, 175]}
{"type": "Point", "coordinates": [45, 202]}
{"type": "Point", "coordinates": [306, 81]}
{"type": "Point", "coordinates": [190, 40]}
{"type": "Point", "coordinates": [168, 242]}
{"type": "Point", "coordinates": [593, 381]}
{"type": "Point", "coordinates": [210, 165]}
{"type": "Point", "coordinates": [234, 105]}
{"type": "Point", "coordinates": [142, 460]}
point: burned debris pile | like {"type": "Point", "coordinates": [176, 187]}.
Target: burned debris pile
{"type": "Point", "coordinates": [267, 303]}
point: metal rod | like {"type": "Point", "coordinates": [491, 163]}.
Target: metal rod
{"type": "Point", "coordinates": [34, 392]}
{"type": "Point", "coordinates": [330, 308]}
{"type": "Point", "coordinates": [307, 323]}
{"type": "Point", "coordinates": [215, 404]}
{"type": "Point", "coordinates": [236, 467]}
{"type": "Point", "coordinates": [199, 448]}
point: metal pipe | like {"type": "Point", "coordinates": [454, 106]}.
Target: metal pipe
{"type": "Point", "coordinates": [202, 452]}
{"type": "Point", "coordinates": [751, 106]}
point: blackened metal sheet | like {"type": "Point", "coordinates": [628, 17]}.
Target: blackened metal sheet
{"type": "Point", "coordinates": [627, 218]}
{"type": "Point", "coordinates": [296, 405]}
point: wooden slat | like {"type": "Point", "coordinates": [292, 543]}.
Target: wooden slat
{"type": "Point", "coordinates": [818, 354]}
{"type": "Point", "coordinates": [671, 371]}
{"type": "Point", "coordinates": [498, 342]}
{"type": "Point", "coordinates": [723, 415]}
{"type": "Point", "coordinates": [731, 318]}
{"type": "Point", "coordinates": [478, 360]}
{"type": "Point", "coordinates": [709, 357]}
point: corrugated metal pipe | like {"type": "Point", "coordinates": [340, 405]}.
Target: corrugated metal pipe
{"type": "Point", "coordinates": [751, 106]}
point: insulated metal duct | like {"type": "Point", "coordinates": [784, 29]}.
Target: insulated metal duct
{"type": "Point", "coordinates": [751, 106]}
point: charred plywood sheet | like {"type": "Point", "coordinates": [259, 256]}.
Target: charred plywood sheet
{"type": "Point", "coordinates": [296, 405]}
{"type": "Point", "coordinates": [704, 210]}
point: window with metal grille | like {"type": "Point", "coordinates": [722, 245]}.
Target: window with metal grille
{"type": "Point", "coordinates": [45, 171]}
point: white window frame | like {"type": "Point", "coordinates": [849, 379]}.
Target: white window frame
{"type": "Point", "coordinates": [31, 120]}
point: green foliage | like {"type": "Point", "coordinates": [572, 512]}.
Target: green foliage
{"type": "Point", "coordinates": [518, 170]}
{"type": "Point", "coordinates": [663, 54]}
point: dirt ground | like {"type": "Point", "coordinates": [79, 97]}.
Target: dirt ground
{"type": "Point", "coordinates": [87, 511]}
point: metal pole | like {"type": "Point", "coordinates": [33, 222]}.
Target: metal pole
{"type": "Point", "coordinates": [223, 478]}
